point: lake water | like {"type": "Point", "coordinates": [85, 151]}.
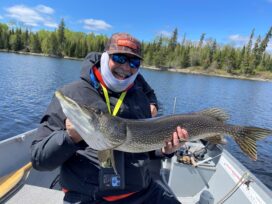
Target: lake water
{"type": "Point", "coordinates": [27, 84]}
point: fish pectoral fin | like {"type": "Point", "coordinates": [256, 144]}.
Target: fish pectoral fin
{"type": "Point", "coordinates": [217, 139]}
{"type": "Point", "coordinates": [216, 113]}
{"type": "Point", "coordinates": [106, 159]}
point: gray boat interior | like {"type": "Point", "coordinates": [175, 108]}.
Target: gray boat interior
{"type": "Point", "coordinates": [216, 178]}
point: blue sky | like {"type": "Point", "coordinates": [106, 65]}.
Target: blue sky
{"type": "Point", "coordinates": [227, 21]}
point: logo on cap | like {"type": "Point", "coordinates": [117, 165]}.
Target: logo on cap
{"type": "Point", "coordinates": [127, 43]}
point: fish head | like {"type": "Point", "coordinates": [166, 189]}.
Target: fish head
{"type": "Point", "coordinates": [78, 114]}
{"type": "Point", "coordinates": [87, 122]}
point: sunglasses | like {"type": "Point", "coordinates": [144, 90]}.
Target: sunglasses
{"type": "Point", "coordinates": [133, 62]}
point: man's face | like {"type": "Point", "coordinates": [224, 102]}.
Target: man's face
{"type": "Point", "coordinates": [123, 66]}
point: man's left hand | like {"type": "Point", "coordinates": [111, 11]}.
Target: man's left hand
{"type": "Point", "coordinates": [171, 146]}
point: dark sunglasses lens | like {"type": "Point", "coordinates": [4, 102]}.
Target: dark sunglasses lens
{"type": "Point", "coordinates": [121, 59]}
{"type": "Point", "coordinates": [134, 63]}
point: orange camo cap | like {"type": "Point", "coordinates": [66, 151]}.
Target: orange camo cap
{"type": "Point", "coordinates": [124, 43]}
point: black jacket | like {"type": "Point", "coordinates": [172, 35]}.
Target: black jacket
{"type": "Point", "coordinates": [79, 164]}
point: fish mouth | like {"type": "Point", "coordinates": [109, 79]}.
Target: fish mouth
{"type": "Point", "coordinates": [65, 101]}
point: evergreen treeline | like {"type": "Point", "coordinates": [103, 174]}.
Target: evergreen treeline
{"type": "Point", "coordinates": [167, 52]}
{"type": "Point", "coordinates": [164, 52]}
{"type": "Point", "coordinates": [61, 42]}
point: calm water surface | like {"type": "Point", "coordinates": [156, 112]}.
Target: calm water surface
{"type": "Point", "coordinates": [27, 84]}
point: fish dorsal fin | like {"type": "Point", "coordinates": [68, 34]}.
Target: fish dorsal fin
{"type": "Point", "coordinates": [216, 113]}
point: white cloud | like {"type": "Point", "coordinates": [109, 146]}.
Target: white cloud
{"type": "Point", "coordinates": [44, 9]}
{"type": "Point", "coordinates": [1, 17]}
{"type": "Point", "coordinates": [165, 33]}
{"type": "Point", "coordinates": [24, 14]}
{"type": "Point", "coordinates": [269, 47]}
{"type": "Point", "coordinates": [238, 40]}
{"type": "Point", "coordinates": [51, 24]}
{"type": "Point", "coordinates": [29, 16]}
{"type": "Point", "coordinates": [95, 25]}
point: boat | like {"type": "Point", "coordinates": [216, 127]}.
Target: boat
{"type": "Point", "coordinates": [200, 173]}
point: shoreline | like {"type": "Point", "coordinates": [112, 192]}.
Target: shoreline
{"type": "Point", "coordinates": [41, 54]}
{"type": "Point", "coordinates": [189, 70]}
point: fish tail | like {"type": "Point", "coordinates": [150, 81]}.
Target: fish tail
{"type": "Point", "coordinates": [246, 138]}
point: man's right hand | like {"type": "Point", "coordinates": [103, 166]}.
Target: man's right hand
{"type": "Point", "coordinates": [72, 132]}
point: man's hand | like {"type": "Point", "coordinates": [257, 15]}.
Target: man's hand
{"type": "Point", "coordinates": [173, 145]}
{"type": "Point", "coordinates": [153, 110]}
{"type": "Point", "coordinates": [72, 132]}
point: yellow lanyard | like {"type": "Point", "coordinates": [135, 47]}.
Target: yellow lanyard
{"type": "Point", "coordinates": [118, 104]}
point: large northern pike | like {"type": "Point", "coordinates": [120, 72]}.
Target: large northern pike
{"type": "Point", "coordinates": [101, 131]}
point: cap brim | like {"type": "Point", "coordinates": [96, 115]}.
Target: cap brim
{"type": "Point", "coordinates": [125, 52]}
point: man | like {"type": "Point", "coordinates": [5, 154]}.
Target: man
{"type": "Point", "coordinates": [105, 80]}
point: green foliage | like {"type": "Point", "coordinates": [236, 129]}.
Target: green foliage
{"type": "Point", "coordinates": [54, 47]}
{"type": "Point", "coordinates": [207, 53]}
{"type": "Point", "coordinates": [164, 52]}
{"type": "Point", "coordinates": [35, 45]}
{"type": "Point", "coordinates": [61, 42]}
{"type": "Point", "coordinates": [201, 40]}
{"type": "Point", "coordinates": [61, 35]}
{"type": "Point", "coordinates": [185, 58]}
{"type": "Point", "coordinates": [247, 66]}
{"type": "Point", "coordinates": [173, 41]}
{"type": "Point", "coordinates": [16, 42]}
{"type": "Point", "coordinates": [265, 41]}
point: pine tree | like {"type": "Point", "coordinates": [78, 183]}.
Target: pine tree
{"type": "Point", "coordinates": [247, 67]}
{"type": "Point", "coordinates": [262, 48]}
{"type": "Point", "coordinates": [241, 56]}
{"type": "Point", "coordinates": [44, 37]}
{"type": "Point", "coordinates": [25, 40]}
{"type": "Point", "coordinates": [54, 45]}
{"type": "Point", "coordinates": [162, 52]}
{"type": "Point", "coordinates": [185, 58]}
{"type": "Point", "coordinates": [4, 36]}
{"type": "Point", "coordinates": [212, 51]}
{"type": "Point", "coordinates": [61, 36]}
{"type": "Point", "coordinates": [1, 37]}
{"type": "Point", "coordinates": [217, 59]}
{"type": "Point", "coordinates": [201, 40]}
{"type": "Point", "coordinates": [173, 40]}
{"type": "Point", "coordinates": [256, 55]}
{"type": "Point", "coordinates": [72, 50]}
{"type": "Point", "coordinates": [265, 41]}
{"type": "Point", "coordinates": [35, 45]}
{"type": "Point", "coordinates": [7, 41]}
{"type": "Point", "coordinates": [16, 42]}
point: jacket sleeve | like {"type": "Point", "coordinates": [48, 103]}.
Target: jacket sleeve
{"type": "Point", "coordinates": [53, 146]}
{"type": "Point", "coordinates": [148, 91]}
{"type": "Point", "coordinates": [157, 154]}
